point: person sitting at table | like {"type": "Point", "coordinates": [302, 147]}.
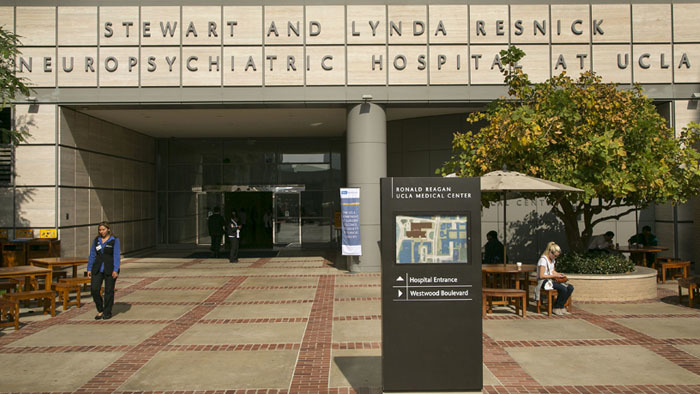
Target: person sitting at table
{"type": "Point", "coordinates": [645, 238]}
{"type": "Point", "coordinates": [602, 243]}
{"type": "Point", "coordinates": [546, 276]}
{"type": "Point", "coordinates": [493, 249]}
{"type": "Point", "coordinates": [103, 266]}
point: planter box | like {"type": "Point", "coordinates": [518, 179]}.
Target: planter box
{"type": "Point", "coordinates": [634, 286]}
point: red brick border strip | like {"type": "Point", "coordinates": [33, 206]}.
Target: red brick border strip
{"type": "Point", "coordinates": [358, 299]}
{"type": "Point", "coordinates": [260, 262]}
{"type": "Point", "coordinates": [359, 317]}
{"type": "Point", "coordinates": [567, 342]}
{"type": "Point", "coordinates": [190, 263]}
{"type": "Point", "coordinates": [232, 348]}
{"type": "Point", "coordinates": [504, 368]}
{"type": "Point", "coordinates": [267, 302]}
{"type": "Point", "coordinates": [63, 317]}
{"type": "Point", "coordinates": [66, 349]}
{"type": "Point", "coordinates": [312, 371]}
{"type": "Point", "coordinates": [109, 379]}
{"type": "Point", "coordinates": [256, 320]}
{"type": "Point", "coordinates": [359, 285]}
{"type": "Point", "coordinates": [181, 288]}
{"type": "Point", "coordinates": [356, 345]}
{"type": "Point", "coordinates": [631, 389]}
{"type": "Point", "coordinates": [275, 287]}
{"type": "Point", "coordinates": [658, 346]}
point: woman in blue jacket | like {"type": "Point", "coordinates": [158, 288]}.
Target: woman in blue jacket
{"type": "Point", "coordinates": [103, 266]}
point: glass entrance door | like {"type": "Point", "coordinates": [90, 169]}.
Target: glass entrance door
{"type": "Point", "coordinates": [204, 207]}
{"type": "Point", "coordinates": [287, 214]}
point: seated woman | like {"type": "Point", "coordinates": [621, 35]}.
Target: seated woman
{"type": "Point", "coordinates": [546, 275]}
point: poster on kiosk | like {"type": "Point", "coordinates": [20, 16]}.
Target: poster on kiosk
{"type": "Point", "coordinates": [431, 284]}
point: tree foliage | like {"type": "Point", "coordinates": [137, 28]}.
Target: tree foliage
{"type": "Point", "coordinates": [11, 86]}
{"type": "Point", "coordinates": [610, 142]}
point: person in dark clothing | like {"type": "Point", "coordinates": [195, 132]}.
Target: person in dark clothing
{"type": "Point", "coordinates": [493, 250]}
{"type": "Point", "coordinates": [645, 238]}
{"type": "Point", "coordinates": [103, 266]}
{"type": "Point", "coordinates": [217, 228]}
{"type": "Point", "coordinates": [234, 234]}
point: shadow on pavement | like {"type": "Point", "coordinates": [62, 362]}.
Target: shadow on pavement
{"type": "Point", "coordinates": [362, 372]}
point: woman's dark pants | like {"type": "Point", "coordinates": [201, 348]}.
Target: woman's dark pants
{"type": "Point", "coordinates": [563, 294]}
{"type": "Point", "coordinates": [103, 306]}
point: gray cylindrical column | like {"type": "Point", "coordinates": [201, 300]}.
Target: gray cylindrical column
{"type": "Point", "coordinates": [366, 163]}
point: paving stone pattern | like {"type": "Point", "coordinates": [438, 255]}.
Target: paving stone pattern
{"type": "Point", "coordinates": [299, 325]}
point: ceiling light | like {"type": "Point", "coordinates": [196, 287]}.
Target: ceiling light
{"type": "Point", "coordinates": [316, 124]}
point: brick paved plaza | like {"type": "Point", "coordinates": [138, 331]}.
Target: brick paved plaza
{"type": "Point", "coordinates": [301, 325]}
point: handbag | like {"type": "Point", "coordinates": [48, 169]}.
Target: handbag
{"type": "Point", "coordinates": [548, 285]}
{"type": "Point", "coordinates": [561, 279]}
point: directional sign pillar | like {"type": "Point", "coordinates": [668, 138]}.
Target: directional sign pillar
{"type": "Point", "coordinates": [431, 284]}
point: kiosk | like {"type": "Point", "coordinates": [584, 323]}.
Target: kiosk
{"type": "Point", "coordinates": [431, 284]}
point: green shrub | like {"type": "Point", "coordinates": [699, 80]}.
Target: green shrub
{"type": "Point", "coordinates": [594, 263]}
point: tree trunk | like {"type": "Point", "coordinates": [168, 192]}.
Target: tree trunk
{"type": "Point", "coordinates": [573, 236]}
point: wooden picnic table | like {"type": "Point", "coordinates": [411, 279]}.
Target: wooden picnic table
{"type": "Point", "coordinates": [643, 250]}
{"type": "Point", "coordinates": [51, 262]}
{"type": "Point", "coordinates": [29, 273]}
{"type": "Point", "coordinates": [509, 271]}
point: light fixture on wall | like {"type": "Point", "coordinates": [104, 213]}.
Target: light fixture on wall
{"type": "Point", "coordinates": [366, 97]}
{"type": "Point", "coordinates": [33, 104]}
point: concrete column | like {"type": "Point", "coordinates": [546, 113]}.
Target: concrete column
{"type": "Point", "coordinates": [366, 162]}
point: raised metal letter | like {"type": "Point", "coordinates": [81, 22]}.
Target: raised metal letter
{"type": "Point", "coordinates": [324, 65]}
{"type": "Point", "coordinates": [189, 63]}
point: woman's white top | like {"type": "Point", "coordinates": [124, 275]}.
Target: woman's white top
{"type": "Point", "coordinates": [548, 266]}
{"type": "Point", "coordinates": [548, 269]}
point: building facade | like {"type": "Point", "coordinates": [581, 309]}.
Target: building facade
{"type": "Point", "coordinates": [150, 113]}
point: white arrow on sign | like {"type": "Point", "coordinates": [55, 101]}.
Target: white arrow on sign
{"type": "Point", "coordinates": [400, 293]}
{"type": "Point", "coordinates": [399, 279]}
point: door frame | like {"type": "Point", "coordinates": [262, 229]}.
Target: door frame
{"type": "Point", "coordinates": [275, 189]}
{"type": "Point", "coordinates": [276, 219]}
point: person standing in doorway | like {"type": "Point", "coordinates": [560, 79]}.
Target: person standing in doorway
{"type": "Point", "coordinates": [217, 229]}
{"type": "Point", "coordinates": [234, 235]}
{"type": "Point", "coordinates": [103, 266]}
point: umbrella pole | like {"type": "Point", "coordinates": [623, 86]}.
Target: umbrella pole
{"type": "Point", "coordinates": [505, 236]}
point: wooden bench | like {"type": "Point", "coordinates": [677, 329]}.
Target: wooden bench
{"type": "Point", "coordinates": [84, 281]}
{"type": "Point", "coordinates": [520, 297]}
{"type": "Point", "coordinates": [58, 275]}
{"type": "Point", "coordinates": [9, 285]}
{"type": "Point", "coordinates": [63, 290]}
{"type": "Point", "coordinates": [48, 296]}
{"type": "Point", "coordinates": [9, 310]}
{"type": "Point", "coordinates": [692, 285]}
{"type": "Point", "coordinates": [666, 264]}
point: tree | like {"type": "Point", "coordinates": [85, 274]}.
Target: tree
{"type": "Point", "coordinates": [610, 142]}
{"type": "Point", "coordinates": [11, 86]}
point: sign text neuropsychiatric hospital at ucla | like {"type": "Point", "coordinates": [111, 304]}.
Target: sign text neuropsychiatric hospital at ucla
{"type": "Point", "coordinates": [351, 45]}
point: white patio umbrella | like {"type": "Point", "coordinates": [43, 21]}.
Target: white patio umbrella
{"type": "Point", "coordinates": [512, 181]}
